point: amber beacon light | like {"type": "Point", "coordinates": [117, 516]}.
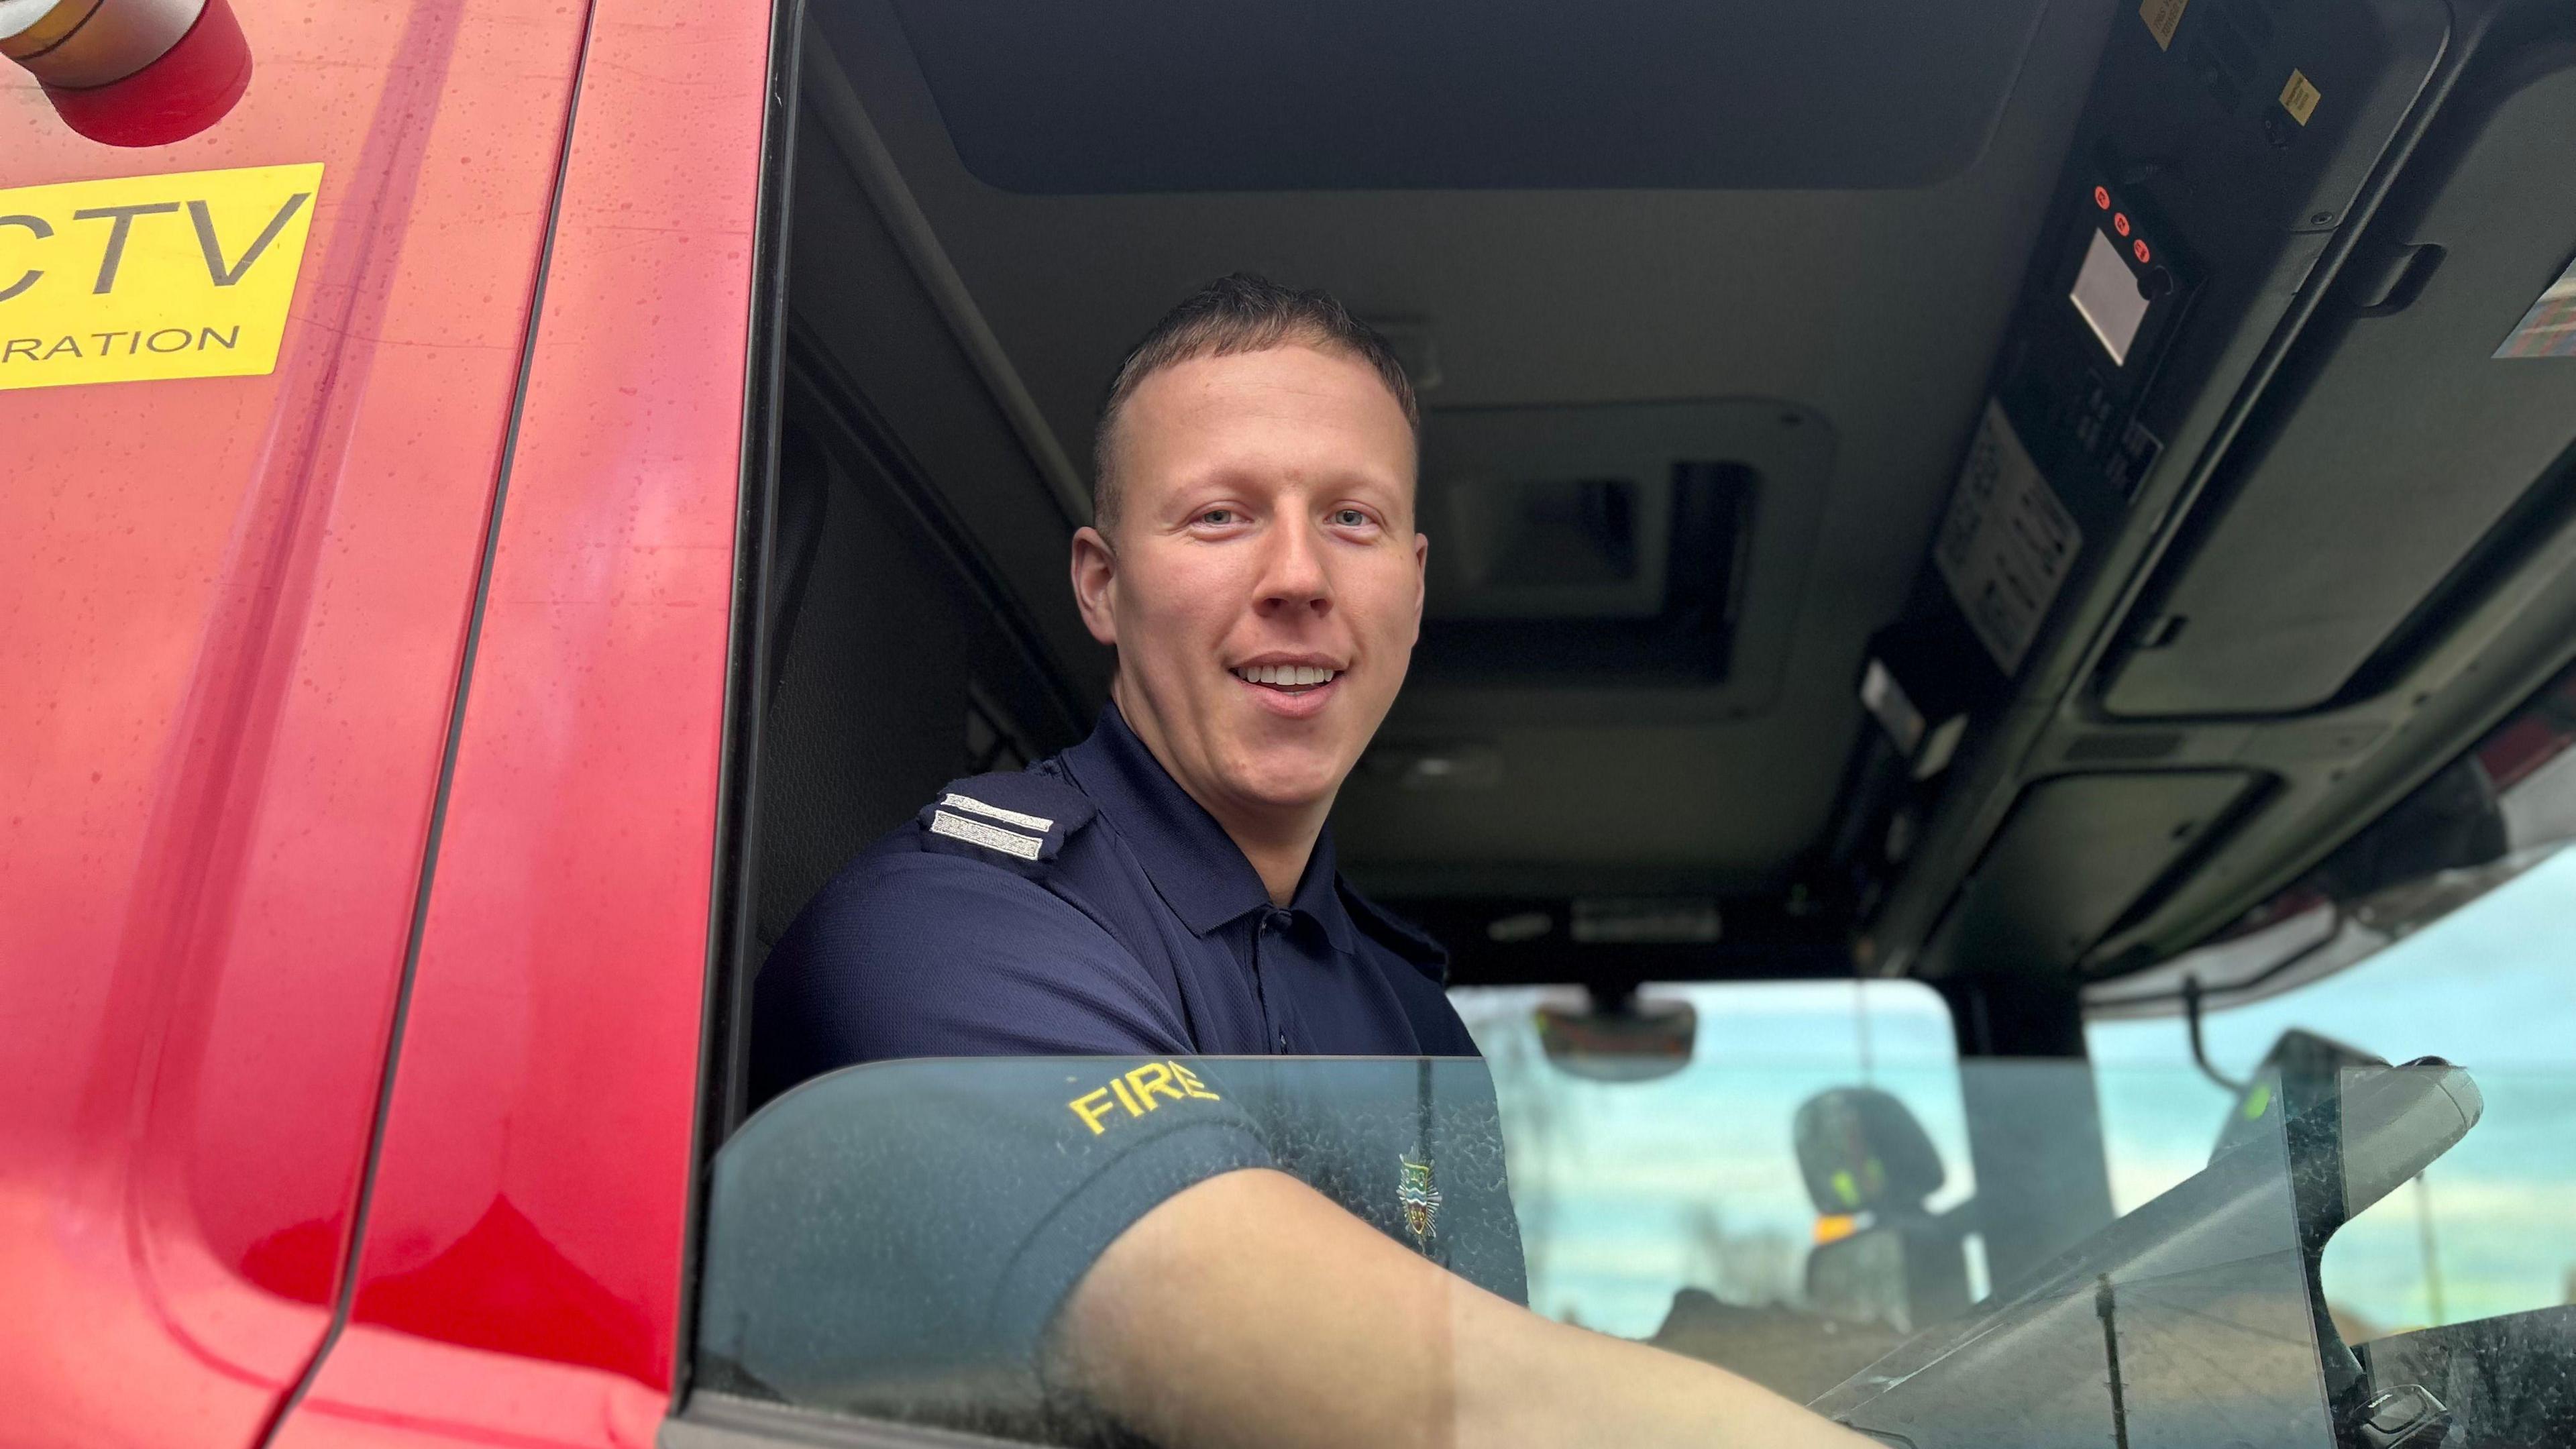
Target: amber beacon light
{"type": "Point", "coordinates": [131, 72]}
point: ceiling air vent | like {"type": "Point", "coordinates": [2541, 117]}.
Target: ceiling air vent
{"type": "Point", "coordinates": [1634, 578]}
{"type": "Point", "coordinates": [1587, 546]}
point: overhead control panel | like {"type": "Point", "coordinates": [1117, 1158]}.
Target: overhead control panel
{"type": "Point", "coordinates": [2285, 370]}
{"type": "Point", "coordinates": [2224, 146]}
{"type": "Point", "coordinates": [2409, 448]}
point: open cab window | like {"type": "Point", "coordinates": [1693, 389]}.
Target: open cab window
{"type": "Point", "coordinates": [1962, 1096]}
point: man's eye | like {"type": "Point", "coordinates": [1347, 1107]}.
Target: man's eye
{"type": "Point", "coordinates": [1350, 518]}
{"type": "Point", "coordinates": [1218, 516]}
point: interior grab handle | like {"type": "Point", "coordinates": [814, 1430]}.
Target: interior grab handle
{"type": "Point", "coordinates": [2398, 276]}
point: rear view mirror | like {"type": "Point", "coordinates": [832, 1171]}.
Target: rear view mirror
{"type": "Point", "coordinates": [1616, 1037]}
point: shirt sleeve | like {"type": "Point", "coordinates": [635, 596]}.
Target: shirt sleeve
{"type": "Point", "coordinates": [896, 1239]}
{"type": "Point", "coordinates": [918, 954]}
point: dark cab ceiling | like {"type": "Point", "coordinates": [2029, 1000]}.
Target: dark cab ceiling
{"type": "Point", "coordinates": [1180, 95]}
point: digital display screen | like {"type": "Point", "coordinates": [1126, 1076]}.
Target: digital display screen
{"type": "Point", "coordinates": [2106, 292]}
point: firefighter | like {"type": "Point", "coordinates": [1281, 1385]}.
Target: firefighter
{"type": "Point", "coordinates": [1166, 890]}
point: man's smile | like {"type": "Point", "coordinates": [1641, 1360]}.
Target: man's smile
{"type": "Point", "coordinates": [1286, 676]}
{"type": "Point", "coordinates": [1290, 687]}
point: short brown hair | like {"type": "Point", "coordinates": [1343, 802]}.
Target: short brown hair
{"type": "Point", "coordinates": [1239, 313]}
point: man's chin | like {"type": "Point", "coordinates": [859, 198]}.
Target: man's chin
{"type": "Point", "coordinates": [1289, 784]}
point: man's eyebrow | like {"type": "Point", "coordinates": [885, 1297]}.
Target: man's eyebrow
{"type": "Point", "coordinates": [1395, 486]}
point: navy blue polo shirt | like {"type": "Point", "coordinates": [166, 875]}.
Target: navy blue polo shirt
{"type": "Point", "coordinates": [1088, 906]}
{"type": "Point", "coordinates": [896, 1235]}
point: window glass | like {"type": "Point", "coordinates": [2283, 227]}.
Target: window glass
{"type": "Point", "coordinates": [2443, 929]}
{"type": "Point", "coordinates": [2484, 1231]}
{"type": "Point", "coordinates": [1674, 1208]}
{"type": "Point", "coordinates": [895, 1241]}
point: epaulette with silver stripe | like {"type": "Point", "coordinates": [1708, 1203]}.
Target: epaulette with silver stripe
{"type": "Point", "coordinates": [1012, 832]}
{"type": "Point", "coordinates": [1018, 818]}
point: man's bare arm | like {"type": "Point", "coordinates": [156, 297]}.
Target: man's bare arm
{"type": "Point", "coordinates": [1252, 1311]}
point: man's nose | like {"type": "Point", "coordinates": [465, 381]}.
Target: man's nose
{"type": "Point", "coordinates": [1293, 576]}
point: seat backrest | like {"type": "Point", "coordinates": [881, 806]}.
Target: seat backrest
{"type": "Point", "coordinates": [1907, 1274]}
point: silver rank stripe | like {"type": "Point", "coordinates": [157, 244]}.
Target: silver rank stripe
{"type": "Point", "coordinates": [1038, 823]}
{"type": "Point", "coordinates": [991, 837]}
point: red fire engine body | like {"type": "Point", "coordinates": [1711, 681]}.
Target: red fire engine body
{"type": "Point", "coordinates": [360, 743]}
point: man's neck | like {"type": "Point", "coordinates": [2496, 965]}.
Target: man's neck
{"type": "Point", "coordinates": [1279, 859]}
{"type": "Point", "coordinates": [1278, 842]}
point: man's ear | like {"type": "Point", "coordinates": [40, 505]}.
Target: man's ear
{"type": "Point", "coordinates": [1421, 579]}
{"type": "Point", "coordinates": [1095, 570]}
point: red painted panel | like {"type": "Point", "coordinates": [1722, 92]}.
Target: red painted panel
{"type": "Point", "coordinates": [536, 1164]}
{"type": "Point", "coordinates": [231, 611]}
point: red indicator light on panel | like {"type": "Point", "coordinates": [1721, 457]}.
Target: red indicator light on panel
{"type": "Point", "coordinates": [2102, 197]}
{"type": "Point", "coordinates": [2120, 222]}
{"type": "Point", "coordinates": [2138, 249]}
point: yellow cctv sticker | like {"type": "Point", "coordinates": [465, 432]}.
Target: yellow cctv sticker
{"type": "Point", "coordinates": [151, 277]}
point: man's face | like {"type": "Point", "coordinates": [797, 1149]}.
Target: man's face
{"type": "Point", "coordinates": [1263, 541]}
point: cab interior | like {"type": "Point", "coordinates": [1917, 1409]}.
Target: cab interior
{"type": "Point", "coordinates": [1712, 310]}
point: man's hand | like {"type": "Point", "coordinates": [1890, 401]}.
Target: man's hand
{"type": "Point", "coordinates": [1250, 1310]}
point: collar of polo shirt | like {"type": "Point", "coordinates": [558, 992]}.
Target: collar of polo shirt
{"type": "Point", "coordinates": [1195, 866]}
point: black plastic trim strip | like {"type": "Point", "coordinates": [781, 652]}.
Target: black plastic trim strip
{"type": "Point", "coordinates": [345, 1296]}
{"type": "Point", "coordinates": [722, 1020]}
{"type": "Point", "coordinates": [811, 366]}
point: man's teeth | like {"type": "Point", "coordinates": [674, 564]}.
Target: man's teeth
{"type": "Point", "coordinates": [1292, 675]}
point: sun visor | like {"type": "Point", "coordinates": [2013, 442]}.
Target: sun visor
{"type": "Point", "coordinates": [1177, 95]}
